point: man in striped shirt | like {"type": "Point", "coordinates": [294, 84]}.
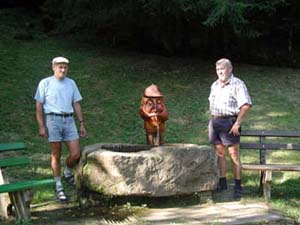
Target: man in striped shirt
{"type": "Point", "coordinates": [229, 103]}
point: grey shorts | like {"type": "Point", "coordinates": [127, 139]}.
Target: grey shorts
{"type": "Point", "coordinates": [61, 128]}
{"type": "Point", "coordinates": [218, 131]}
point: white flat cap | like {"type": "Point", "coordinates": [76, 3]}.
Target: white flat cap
{"type": "Point", "coordinates": [60, 59]}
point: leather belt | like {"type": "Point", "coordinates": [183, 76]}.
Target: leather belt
{"type": "Point", "coordinates": [60, 114]}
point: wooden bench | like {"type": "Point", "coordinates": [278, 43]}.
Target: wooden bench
{"type": "Point", "coordinates": [16, 190]}
{"type": "Point", "coordinates": [263, 144]}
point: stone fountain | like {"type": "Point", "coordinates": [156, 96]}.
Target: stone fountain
{"type": "Point", "coordinates": [155, 169]}
{"type": "Point", "coordinates": [143, 170]}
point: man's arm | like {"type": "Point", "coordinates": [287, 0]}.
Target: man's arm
{"type": "Point", "coordinates": [79, 115]}
{"type": "Point", "coordinates": [40, 119]}
{"type": "Point", "coordinates": [242, 114]}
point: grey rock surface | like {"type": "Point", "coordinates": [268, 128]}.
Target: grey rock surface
{"type": "Point", "coordinates": [141, 170]}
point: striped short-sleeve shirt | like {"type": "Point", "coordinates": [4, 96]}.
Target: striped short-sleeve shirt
{"type": "Point", "coordinates": [226, 100]}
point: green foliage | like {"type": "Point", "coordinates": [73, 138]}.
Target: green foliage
{"type": "Point", "coordinates": [233, 11]}
{"type": "Point", "coordinates": [153, 23]}
{"type": "Point", "coordinates": [237, 15]}
{"type": "Point", "coordinates": [177, 26]}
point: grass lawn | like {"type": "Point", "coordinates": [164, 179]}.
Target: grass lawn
{"type": "Point", "coordinates": [112, 82]}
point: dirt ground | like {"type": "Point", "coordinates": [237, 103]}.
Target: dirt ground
{"type": "Point", "coordinates": [207, 208]}
{"type": "Point", "coordinates": [204, 208]}
{"type": "Point", "coordinates": [220, 213]}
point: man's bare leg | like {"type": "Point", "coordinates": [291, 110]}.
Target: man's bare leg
{"type": "Point", "coordinates": [221, 157]}
{"type": "Point", "coordinates": [71, 160]}
{"type": "Point", "coordinates": [234, 152]}
{"type": "Point", "coordinates": [56, 149]}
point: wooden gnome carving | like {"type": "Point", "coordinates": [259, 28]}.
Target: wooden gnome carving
{"type": "Point", "coordinates": [154, 113]}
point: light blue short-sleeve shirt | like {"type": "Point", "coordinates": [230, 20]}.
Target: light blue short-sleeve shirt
{"type": "Point", "coordinates": [57, 95]}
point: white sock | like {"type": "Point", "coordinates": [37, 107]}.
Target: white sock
{"type": "Point", "coordinates": [67, 171]}
{"type": "Point", "coordinates": [58, 183]}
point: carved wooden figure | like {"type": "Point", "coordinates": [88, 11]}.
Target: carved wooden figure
{"type": "Point", "coordinates": [154, 113]}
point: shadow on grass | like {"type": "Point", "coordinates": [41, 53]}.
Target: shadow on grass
{"type": "Point", "coordinates": [286, 190]}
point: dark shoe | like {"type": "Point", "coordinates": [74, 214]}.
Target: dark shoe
{"type": "Point", "coordinates": [237, 192]}
{"type": "Point", "coordinates": [70, 180]}
{"type": "Point", "coordinates": [61, 196]}
{"type": "Point", "coordinates": [222, 185]}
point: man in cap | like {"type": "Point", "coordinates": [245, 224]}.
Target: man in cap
{"type": "Point", "coordinates": [57, 97]}
{"type": "Point", "coordinates": [154, 113]}
{"type": "Point", "coordinates": [229, 103]}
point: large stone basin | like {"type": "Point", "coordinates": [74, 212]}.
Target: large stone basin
{"type": "Point", "coordinates": [142, 170]}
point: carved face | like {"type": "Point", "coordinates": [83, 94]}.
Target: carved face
{"type": "Point", "coordinates": [154, 105]}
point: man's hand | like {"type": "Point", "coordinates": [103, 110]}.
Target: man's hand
{"type": "Point", "coordinates": [236, 126]}
{"type": "Point", "coordinates": [43, 132]}
{"type": "Point", "coordinates": [82, 130]}
{"type": "Point", "coordinates": [235, 129]}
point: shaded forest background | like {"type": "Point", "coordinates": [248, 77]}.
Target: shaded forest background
{"type": "Point", "coordinates": [253, 31]}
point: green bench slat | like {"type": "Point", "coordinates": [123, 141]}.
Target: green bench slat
{"type": "Point", "coordinates": [8, 162]}
{"type": "Point", "coordinates": [12, 187]}
{"type": "Point", "coordinates": [12, 146]}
